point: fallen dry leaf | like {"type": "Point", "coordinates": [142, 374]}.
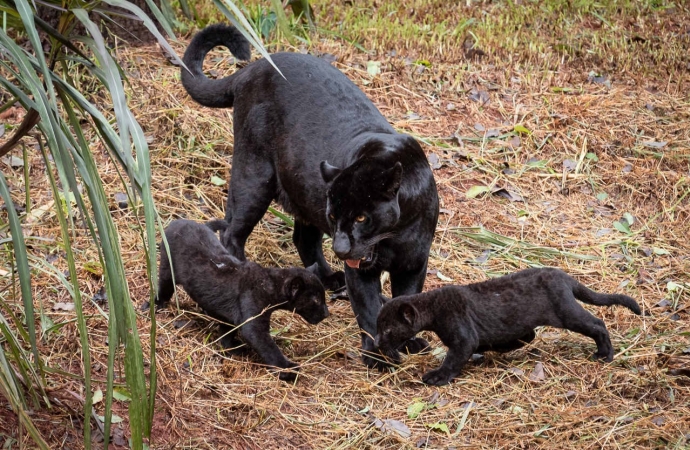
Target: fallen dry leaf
{"type": "Point", "coordinates": [392, 425]}
{"type": "Point", "coordinates": [537, 374]}
{"type": "Point", "coordinates": [63, 306]}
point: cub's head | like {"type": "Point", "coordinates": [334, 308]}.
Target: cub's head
{"type": "Point", "coordinates": [396, 323]}
{"type": "Point", "coordinates": [362, 207]}
{"type": "Point", "coordinates": [305, 294]}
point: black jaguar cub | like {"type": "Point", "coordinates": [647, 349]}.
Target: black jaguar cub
{"type": "Point", "coordinates": [496, 315]}
{"type": "Point", "coordinates": [236, 292]}
{"type": "Point", "coordinates": [308, 138]}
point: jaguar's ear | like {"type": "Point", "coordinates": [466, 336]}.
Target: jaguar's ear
{"type": "Point", "coordinates": [314, 268]}
{"type": "Point", "coordinates": [391, 179]}
{"type": "Point", "coordinates": [292, 287]}
{"type": "Point", "coordinates": [408, 314]}
{"type": "Point", "coordinates": [328, 172]}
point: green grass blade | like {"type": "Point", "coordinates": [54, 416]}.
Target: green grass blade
{"type": "Point", "coordinates": [27, 16]}
{"type": "Point", "coordinates": [112, 141]}
{"type": "Point", "coordinates": [284, 217]}
{"type": "Point", "coordinates": [163, 14]}
{"type": "Point", "coordinates": [8, 381]}
{"type": "Point", "coordinates": [240, 22]}
{"type": "Point", "coordinates": [148, 23]}
{"type": "Point", "coordinates": [22, 261]}
{"type": "Point", "coordinates": [186, 10]}
{"type": "Point", "coordinates": [18, 354]}
{"type": "Point", "coordinates": [45, 104]}
{"type": "Point", "coordinates": [283, 24]}
{"type": "Point", "coordinates": [150, 215]}
{"type": "Point", "coordinates": [10, 390]}
{"type": "Point", "coordinates": [510, 247]}
{"type": "Point", "coordinates": [123, 327]}
{"type": "Point", "coordinates": [52, 32]}
{"type": "Point", "coordinates": [76, 295]}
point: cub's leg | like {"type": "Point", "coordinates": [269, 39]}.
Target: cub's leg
{"type": "Point", "coordinates": [252, 188]}
{"type": "Point", "coordinates": [228, 332]}
{"type": "Point", "coordinates": [308, 240]}
{"type": "Point", "coordinates": [457, 357]}
{"type": "Point", "coordinates": [408, 283]}
{"type": "Point", "coordinates": [576, 318]}
{"type": "Point", "coordinates": [256, 333]}
{"type": "Point", "coordinates": [230, 340]}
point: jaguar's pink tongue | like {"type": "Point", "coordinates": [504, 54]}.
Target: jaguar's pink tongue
{"type": "Point", "coordinates": [353, 263]}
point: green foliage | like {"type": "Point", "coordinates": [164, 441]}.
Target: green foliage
{"type": "Point", "coordinates": [41, 78]}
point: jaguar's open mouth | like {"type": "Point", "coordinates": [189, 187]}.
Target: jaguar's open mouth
{"type": "Point", "coordinates": [364, 260]}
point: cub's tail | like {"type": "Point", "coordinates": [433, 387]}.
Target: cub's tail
{"type": "Point", "coordinates": [212, 93]}
{"type": "Point", "coordinates": [584, 294]}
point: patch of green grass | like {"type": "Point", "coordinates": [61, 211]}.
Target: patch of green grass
{"type": "Point", "coordinates": [262, 16]}
{"type": "Point", "coordinates": [618, 35]}
{"type": "Point", "coordinates": [515, 250]}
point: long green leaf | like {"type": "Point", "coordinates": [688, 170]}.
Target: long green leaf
{"type": "Point", "coordinates": [148, 23]}
{"type": "Point", "coordinates": [76, 295]}
{"type": "Point", "coordinates": [508, 245]}
{"type": "Point", "coordinates": [58, 143]}
{"type": "Point", "coordinates": [7, 372]}
{"type": "Point", "coordinates": [283, 24]}
{"type": "Point", "coordinates": [23, 359]}
{"type": "Point", "coordinates": [122, 315]}
{"type": "Point", "coordinates": [240, 22]}
{"type": "Point", "coordinates": [186, 10]}
{"type": "Point", "coordinates": [22, 261]}
{"type": "Point", "coordinates": [27, 15]}
{"type": "Point", "coordinates": [8, 381]}
{"type": "Point", "coordinates": [52, 32]}
{"type": "Point", "coordinates": [10, 390]}
{"type": "Point", "coordinates": [45, 104]}
{"type": "Point", "coordinates": [150, 215]}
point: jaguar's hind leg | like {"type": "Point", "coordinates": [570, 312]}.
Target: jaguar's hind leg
{"type": "Point", "coordinates": [576, 318]}
{"type": "Point", "coordinates": [252, 188]}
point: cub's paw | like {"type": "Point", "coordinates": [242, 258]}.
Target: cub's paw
{"type": "Point", "coordinates": [415, 345]}
{"type": "Point", "coordinates": [603, 357]}
{"type": "Point", "coordinates": [289, 373]}
{"type": "Point", "coordinates": [380, 361]}
{"type": "Point", "coordinates": [437, 377]}
{"type": "Point", "coordinates": [232, 346]}
{"type": "Point", "coordinates": [376, 362]}
{"type": "Point", "coordinates": [334, 281]}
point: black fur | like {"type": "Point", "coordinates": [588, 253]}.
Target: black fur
{"type": "Point", "coordinates": [316, 144]}
{"type": "Point", "coordinates": [497, 315]}
{"type": "Point", "coordinates": [236, 292]}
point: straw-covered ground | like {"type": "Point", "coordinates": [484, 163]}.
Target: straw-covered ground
{"type": "Point", "coordinates": [559, 136]}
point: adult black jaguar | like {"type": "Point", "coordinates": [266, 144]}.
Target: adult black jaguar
{"type": "Point", "coordinates": [308, 138]}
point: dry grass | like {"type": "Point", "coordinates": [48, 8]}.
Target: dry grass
{"type": "Point", "coordinates": [585, 141]}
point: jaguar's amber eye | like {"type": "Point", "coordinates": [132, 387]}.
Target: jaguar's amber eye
{"type": "Point", "coordinates": [331, 216]}
{"type": "Point", "coordinates": [361, 218]}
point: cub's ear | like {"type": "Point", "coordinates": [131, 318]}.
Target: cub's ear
{"type": "Point", "coordinates": [314, 268]}
{"type": "Point", "coordinates": [408, 314]}
{"type": "Point", "coordinates": [391, 179]}
{"type": "Point", "coordinates": [328, 172]}
{"type": "Point", "coordinates": [292, 286]}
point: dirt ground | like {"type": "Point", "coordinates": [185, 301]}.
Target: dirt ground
{"type": "Point", "coordinates": [571, 160]}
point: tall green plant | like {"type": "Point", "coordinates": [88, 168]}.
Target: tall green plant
{"type": "Point", "coordinates": [67, 122]}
